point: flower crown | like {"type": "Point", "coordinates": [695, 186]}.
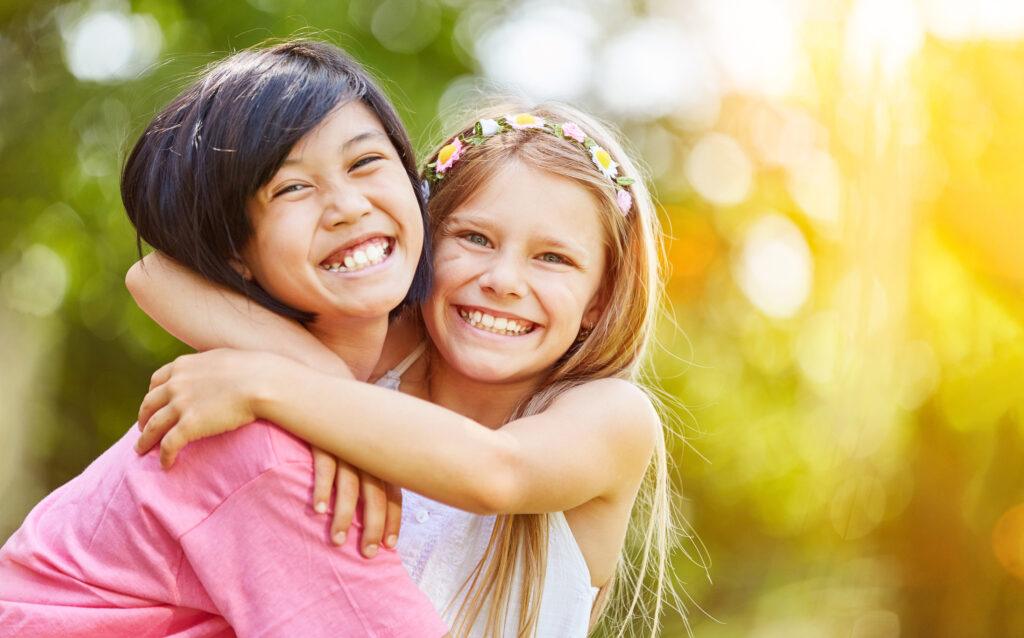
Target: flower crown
{"type": "Point", "coordinates": [569, 131]}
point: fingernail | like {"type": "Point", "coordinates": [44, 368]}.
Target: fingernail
{"type": "Point", "coordinates": [339, 538]}
{"type": "Point", "coordinates": [320, 507]}
{"type": "Point", "coordinates": [391, 541]}
{"type": "Point", "coordinates": [370, 551]}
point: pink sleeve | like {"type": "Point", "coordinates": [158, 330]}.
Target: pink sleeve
{"type": "Point", "coordinates": [265, 560]}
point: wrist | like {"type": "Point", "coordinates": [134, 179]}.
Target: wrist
{"type": "Point", "coordinates": [264, 386]}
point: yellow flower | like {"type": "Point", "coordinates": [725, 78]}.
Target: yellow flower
{"type": "Point", "coordinates": [604, 162]}
{"type": "Point", "coordinates": [521, 121]}
{"type": "Point", "coordinates": [448, 155]}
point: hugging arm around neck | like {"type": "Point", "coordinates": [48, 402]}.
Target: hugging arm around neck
{"type": "Point", "coordinates": [207, 316]}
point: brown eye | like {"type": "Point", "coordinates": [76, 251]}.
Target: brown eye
{"type": "Point", "coordinates": [291, 188]}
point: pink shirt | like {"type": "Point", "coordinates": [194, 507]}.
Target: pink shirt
{"type": "Point", "coordinates": [225, 542]}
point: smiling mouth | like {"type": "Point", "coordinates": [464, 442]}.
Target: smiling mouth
{"type": "Point", "coordinates": [363, 255]}
{"type": "Point", "coordinates": [512, 327]}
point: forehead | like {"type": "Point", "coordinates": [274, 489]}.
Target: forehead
{"type": "Point", "coordinates": [341, 125]}
{"type": "Point", "coordinates": [519, 197]}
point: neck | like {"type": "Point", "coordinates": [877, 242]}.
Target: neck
{"type": "Point", "coordinates": [357, 342]}
{"type": "Point", "coordinates": [490, 404]}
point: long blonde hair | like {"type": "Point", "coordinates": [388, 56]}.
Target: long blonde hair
{"type": "Point", "coordinates": [615, 347]}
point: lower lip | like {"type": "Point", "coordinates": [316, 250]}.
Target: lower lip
{"type": "Point", "coordinates": [369, 270]}
{"type": "Point", "coordinates": [485, 333]}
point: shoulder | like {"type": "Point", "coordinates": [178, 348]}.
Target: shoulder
{"type": "Point", "coordinates": [212, 469]}
{"type": "Point", "coordinates": [250, 449]}
{"type": "Point", "coordinates": [622, 409]}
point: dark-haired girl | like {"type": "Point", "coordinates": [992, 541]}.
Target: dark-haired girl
{"type": "Point", "coordinates": [227, 543]}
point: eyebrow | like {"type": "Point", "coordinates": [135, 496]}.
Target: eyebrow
{"type": "Point", "coordinates": [362, 137]}
{"type": "Point", "coordinates": [356, 139]}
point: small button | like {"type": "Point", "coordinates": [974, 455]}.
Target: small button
{"type": "Point", "coordinates": [422, 516]}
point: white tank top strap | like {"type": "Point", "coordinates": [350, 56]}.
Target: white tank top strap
{"type": "Point", "coordinates": [392, 379]}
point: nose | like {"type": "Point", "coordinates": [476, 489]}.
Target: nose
{"type": "Point", "coordinates": [504, 277]}
{"type": "Point", "coordinates": [344, 205]}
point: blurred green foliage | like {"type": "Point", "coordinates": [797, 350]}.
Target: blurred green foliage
{"type": "Point", "coordinates": [853, 468]}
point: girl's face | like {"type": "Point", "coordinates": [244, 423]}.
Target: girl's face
{"type": "Point", "coordinates": [517, 272]}
{"type": "Point", "coordinates": [337, 230]}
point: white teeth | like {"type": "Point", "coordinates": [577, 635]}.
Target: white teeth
{"type": "Point", "coordinates": [375, 253]}
{"type": "Point", "coordinates": [367, 255]}
{"type": "Point", "coordinates": [497, 325]}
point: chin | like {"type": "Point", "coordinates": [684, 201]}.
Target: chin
{"type": "Point", "coordinates": [500, 371]}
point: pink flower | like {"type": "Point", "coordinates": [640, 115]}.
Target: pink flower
{"type": "Point", "coordinates": [448, 155]}
{"type": "Point", "coordinates": [571, 130]}
{"type": "Point", "coordinates": [624, 200]}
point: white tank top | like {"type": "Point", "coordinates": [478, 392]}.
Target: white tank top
{"type": "Point", "coordinates": [440, 547]}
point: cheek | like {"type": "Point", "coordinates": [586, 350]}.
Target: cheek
{"type": "Point", "coordinates": [565, 300]}
{"type": "Point", "coordinates": [452, 266]}
{"type": "Point", "coordinates": [278, 249]}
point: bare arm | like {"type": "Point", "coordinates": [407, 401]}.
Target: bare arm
{"type": "Point", "coordinates": [594, 441]}
{"type": "Point", "coordinates": [207, 316]}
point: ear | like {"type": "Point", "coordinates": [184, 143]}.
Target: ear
{"type": "Point", "coordinates": [241, 268]}
{"type": "Point", "coordinates": [596, 308]}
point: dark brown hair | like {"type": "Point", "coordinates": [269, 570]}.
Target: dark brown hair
{"type": "Point", "coordinates": [186, 182]}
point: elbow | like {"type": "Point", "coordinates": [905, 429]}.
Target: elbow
{"type": "Point", "coordinates": [496, 482]}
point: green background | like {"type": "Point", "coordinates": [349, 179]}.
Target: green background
{"type": "Point", "coordinates": [851, 467]}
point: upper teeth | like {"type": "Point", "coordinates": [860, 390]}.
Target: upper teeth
{"type": "Point", "coordinates": [366, 255]}
{"type": "Point", "coordinates": [498, 325]}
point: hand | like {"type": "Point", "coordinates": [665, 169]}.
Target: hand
{"type": "Point", "coordinates": [382, 502]}
{"type": "Point", "coordinates": [197, 396]}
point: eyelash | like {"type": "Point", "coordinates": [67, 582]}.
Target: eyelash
{"type": "Point", "coordinates": [365, 160]}
{"type": "Point", "coordinates": [358, 164]}
{"type": "Point", "coordinates": [288, 189]}
{"type": "Point", "coordinates": [561, 259]}
{"type": "Point", "coordinates": [468, 236]}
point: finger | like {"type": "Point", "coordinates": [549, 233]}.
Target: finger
{"type": "Point", "coordinates": [153, 401]}
{"type": "Point", "coordinates": [161, 376]}
{"type": "Point", "coordinates": [393, 519]}
{"type": "Point", "coordinates": [324, 469]}
{"type": "Point", "coordinates": [156, 427]}
{"type": "Point", "coordinates": [346, 494]}
{"type": "Point", "coordinates": [374, 512]}
{"type": "Point", "coordinates": [171, 445]}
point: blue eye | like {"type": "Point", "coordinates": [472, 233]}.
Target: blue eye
{"type": "Point", "coordinates": [476, 238]}
{"type": "Point", "coordinates": [553, 258]}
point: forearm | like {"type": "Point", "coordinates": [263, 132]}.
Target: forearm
{"type": "Point", "coordinates": [206, 316]}
{"type": "Point", "coordinates": [401, 439]}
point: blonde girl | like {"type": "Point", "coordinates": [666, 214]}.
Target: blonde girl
{"type": "Point", "coordinates": [545, 291]}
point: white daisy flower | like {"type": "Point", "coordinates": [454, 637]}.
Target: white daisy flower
{"type": "Point", "coordinates": [521, 121]}
{"type": "Point", "coordinates": [489, 127]}
{"type": "Point", "coordinates": [604, 162]}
